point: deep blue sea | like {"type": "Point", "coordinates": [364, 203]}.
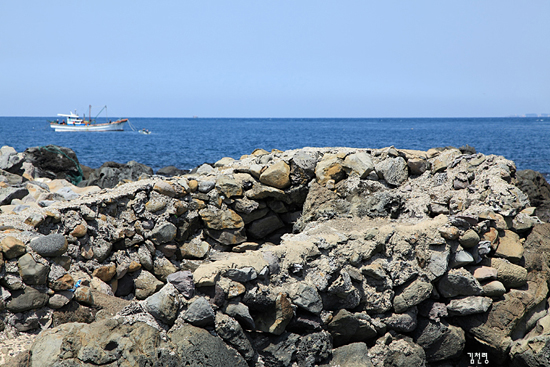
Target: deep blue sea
{"type": "Point", "coordinates": [189, 142]}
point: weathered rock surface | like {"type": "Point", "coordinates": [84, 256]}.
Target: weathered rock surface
{"type": "Point", "coordinates": [351, 248]}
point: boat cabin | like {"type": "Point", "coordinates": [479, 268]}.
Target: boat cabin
{"type": "Point", "coordinates": [72, 118]}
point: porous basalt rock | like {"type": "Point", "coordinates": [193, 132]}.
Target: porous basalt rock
{"type": "Point", "coordinates": [388, 256]}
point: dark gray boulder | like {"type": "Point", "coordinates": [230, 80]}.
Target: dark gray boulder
{"type": "Point", "coordinates": [197, 347]}
{"type": "Point", "coordinates": [200, 313]}
{"type": "Point", "coordinates": [54, 162]}
{"type": "Point", "coordinates": [26, 300]}
{"type": "Point", "coordinates": [170, 171]}
{"type": "Point", "coordinates": [111, 173]}
{"type": "Point", "coordinates": [51, 245]}
{"type": "Point", "coordinates": [7, 194]}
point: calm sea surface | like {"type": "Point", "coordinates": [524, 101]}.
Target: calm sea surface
{"type": "Point", "coordinates": [188, 142]}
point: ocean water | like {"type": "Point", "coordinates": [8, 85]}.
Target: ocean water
{"type": "Point", "coordinates": [189, 142]}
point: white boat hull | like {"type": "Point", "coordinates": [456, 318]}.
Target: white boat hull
{"type": "Point", "coordinates": [113, 126]}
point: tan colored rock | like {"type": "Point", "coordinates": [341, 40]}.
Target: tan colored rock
{"type": "Point", "coordinates": [164, 188]}
{"type": "Point", "coordinates": [245, 246]}
{"type": "Point", "coordinates": [154, 205]}
{"type": "Point", "coordinates": [510, 247]}
{"type": "Point", "coordinates": [221, 219]}
{"type": "Point", "coordinates": [229, 186]}
{"type": "Point", "coordinates": [329, 168]}
{"type": "Point", "coordinates": [224, 162]}
{"type": "Point", "coordinates": [277, 175]}
{"type": "Point", "coordinates": [64, 283]}
{"type": "Point", "coordinates": [105, 273]}
{"type": "Point", "coordinates": [193, 185]}
{"type": "Point", "coordinates": [444, 159]}
{"type": "Point", "coordinates": [511, 275]}
{"type": "Point", "coordinates": [359, 164]}
{"type": "Point", "coordinates": [449, 233]}
{"type": "Point", "coordinates": [484, 273]}
{"type": "Point", "coordinates": [80, 230]}
{"type": "Point", "coordinates": [134, 266]}
{"type": "Point", "coordinates": [100, 286]}
{"type": "Point", "coordinates": [35, 219]}
{"type": "Point", "coordinates": [180, 208]}
{"type": "Point", "coordinates": [12, 247]}
{"type": "Point", "coordinates": [259, 152]}
{"type": "Point", "coordinates": [207, 274]}
{"type": "Point", "coordinates": [491, 236]}
{"type": "Point", "coordinates": [195, 249]}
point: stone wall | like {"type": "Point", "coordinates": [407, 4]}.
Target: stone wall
{"type": "Point", "coordinates": [305, 257]}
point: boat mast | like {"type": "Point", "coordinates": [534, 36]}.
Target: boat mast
{"type": "Point", "coordinates": [90, 114]}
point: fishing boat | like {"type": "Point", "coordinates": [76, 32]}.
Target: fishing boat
{"type": "Point", "coordinates": [73, 122]}
{"type": "Point", "coordinates": [144, 131]}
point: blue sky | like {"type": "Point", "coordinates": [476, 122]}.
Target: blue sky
{"type": "Point", "coordinates": [280, 58]}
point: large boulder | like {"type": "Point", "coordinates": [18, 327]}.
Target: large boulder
{"type": "Point", "coordinates": [111, 173]}
{"type": "Point", "coordinates": [53, 162]}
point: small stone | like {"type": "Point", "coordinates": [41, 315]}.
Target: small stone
{"type": "Point", "coordinates": [64, 283]}
{"type": "Point", "coordinates": [26, 300]}
{"type": "Point", "coordinates": [83, 295]}
{"type": "Point", "coordinates": [195, 249]}
{"type": "Point", "coordinates": [494, 289]}
{"type": "Point", "coordinates": [193, 185]}
{"type": "Point", "coordinates": [206, 186]}
{"type": "Point", "coordinates": [164, 188]}
{"type": "Point", "coordinates": [184, 283]}
{"type": "Point", "coordinates": [275, 321]}
{"type": "Point", "coordinates": [359, 164]}
{"type": "Point", "coordinates": [105, 273]}
{"type": "Point", "coordinates": [50, 245]}
{"type": "Point", "coordinates": [60, 299]}
{"type": "Point", "coordinates": [511, 275]}
{"type": "Point", "coordinates": [483, 273]}
{"type": "Point", "coordinates": [277, 175]}
{"type": "Point", "coordinates": [306, 297]}
{"type": "Point", "coordinates": [393, 170]}
{"type": "Point", "coordinates": [469, 306]}
{"type": "Point", "coordinates": [242, 275]}
{"type": "Point", "coordinates": [459, 282]}
{"type": "Point", "coordinates": [163, 233]}
{"type": "Point", "coordinates": [200, 313]}
{"type": "Point", "coordinates": [492, 237]}
{"type": "Point", "coordinates": [461, 258]}
{"type": "Point", "coordinates": [12, 247]}
{"type": "Point", "coordinates": [146, 284]}
{"type": "Point", "coordinates": [416, 292]}
{"type": "Point", "coordinates": [134, 266]}
{"type": "Point", "coordinates": [329, 168]}
{"type": "Point", "coordinates": [164, 304]}
{"type": "Point", "coordinates": [31, 271]}
{"type": "Point", "coordinates": [80, 230]}
{"type": "Point", "coordinates": [469, 239]}
{"type": "Point", "coordinates": [417, 166]}
{"type": "Point", "coordinates": [245, 246]}
{"type": "Point", "coordinates": [155, 205]}
{"type": "Point", "coordinates": [449, 233]}
{"type": "Point", "coordinates": [510, 247]}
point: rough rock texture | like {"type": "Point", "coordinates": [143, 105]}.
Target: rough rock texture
{"type": "Point", "coordinates": [382, 257]}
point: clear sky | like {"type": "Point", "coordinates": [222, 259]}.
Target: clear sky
{"type": "Point", "coordinates": [267, 58]}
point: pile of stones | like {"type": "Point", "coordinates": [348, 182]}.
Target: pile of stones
{"type": "Point", "coordinates": [309, 257]}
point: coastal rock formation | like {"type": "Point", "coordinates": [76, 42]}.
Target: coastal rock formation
{"type": "Point", "coordinates": [309, 257]}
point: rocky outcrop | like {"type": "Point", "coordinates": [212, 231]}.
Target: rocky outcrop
{"type": "Point", "coordinates": [317, 256]}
